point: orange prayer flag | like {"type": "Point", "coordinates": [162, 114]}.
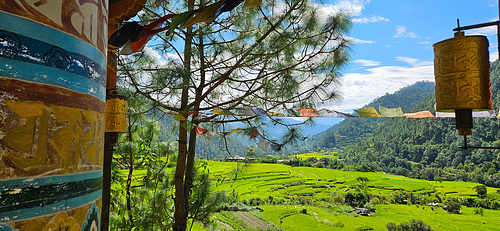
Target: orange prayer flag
{"type": "Point", "coordinates": [200, 130]}
{"type": "Point", "coordinates": [420, 114]}
{"type": "Point", "coordinates": [308, 112]}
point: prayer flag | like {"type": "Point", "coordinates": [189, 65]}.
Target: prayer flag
{"type": "Point", "coordinates": [149, 31]}
{"type": "Point", "coordinates": [228, 6]}
{"type": "Point", "coordinates": [129, 31]}
{"type": "Point", "coordinates": [188, 125]}
{"type": "Point", "coordinates": [179, 117]}
{"type": "Point", "coordinates": [343, 115]}
{"type": "Point", "coordinates": [206, 14]}
{"type": "Point", "coordinates": [200, 130]}
{"type": "Point", "coordinates": [219, 111]}
{"type": "Point", "coordinates": [178, 19]}
{"type": "Point", "coordinates": [210, 134]}
{"type": "Point", "coordinates": [326, 113]}
{"type": "Point", "coordinates": [205, 115]}
{"type": "Point", "coordinates": [263, 144]}
{"type": "Point", "coordinates": [308, 112]}
{"type": "Point", "coordinates": [420, 114]}
{"type": "Point", "coordinates": [247, 112]}
{"type": "Point", "coordinates": [252, 3]}
{"type": "Point", "coordinates": [235, 130]}
{"type": "Point", "coordinates": [270, 113]}
{"type": "Point", "coordinates": [276, 147]}
{"type": "Point", "coordinates": [367, 112]}
{"type": "Point", "coordinates": [391, 112]}
{"type": "Point", "coordinates": [255, 133]}
{"type": "Point", "coordinates": [485, 114]}
{"type": "Point", "coordinates": [260, 112]}
{"type": "Point", "coordinates": [480, 114]}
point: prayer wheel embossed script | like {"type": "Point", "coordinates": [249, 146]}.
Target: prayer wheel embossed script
{"type": "Point", "coordinates": [461, 69]}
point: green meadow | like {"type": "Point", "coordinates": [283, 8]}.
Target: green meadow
{"type": "Point", "coordinates": [284, 184]}
{"type": "Point", "coordinates": [317, 155]}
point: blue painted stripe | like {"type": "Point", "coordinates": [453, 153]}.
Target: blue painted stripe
{"type": "Point", "coordinates": [48, 75]}
{"type": "Point", "coordinates": [48, 180]}
{"type": "Point", "coordinates": [65, 205]}
{"type": "Point", "coordinates": [21, 48]}
{"type": "Point", "coordinates": [50, 35]}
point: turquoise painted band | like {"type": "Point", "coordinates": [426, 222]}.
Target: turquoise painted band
{"type": "Point", "coordinates": [48, 75]}
{"type": "Point", "coordinates": [50, 35]}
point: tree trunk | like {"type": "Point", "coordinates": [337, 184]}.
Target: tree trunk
{"type": "Point", "coordinates": [181, 202]}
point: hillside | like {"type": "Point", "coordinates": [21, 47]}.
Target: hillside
{"type": "Point", "coordinates": [427, 148]}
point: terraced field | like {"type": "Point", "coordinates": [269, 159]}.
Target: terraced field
{"type": "Point", "coordinates": [284, 183]}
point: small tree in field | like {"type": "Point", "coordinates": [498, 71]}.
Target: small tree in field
{"type": "Point", "coordinates": [281, 55]}
{"type": "Point", "coordinates": [481, 191]}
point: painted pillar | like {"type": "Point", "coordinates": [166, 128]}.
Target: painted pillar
{"type": "Point", "coordinates": [52, 101]}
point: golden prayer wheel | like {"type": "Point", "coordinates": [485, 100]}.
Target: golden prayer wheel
{"type": "Point", "coordinates": [462, 74]}
{"type": "Point", "coordinates": [116, 114]}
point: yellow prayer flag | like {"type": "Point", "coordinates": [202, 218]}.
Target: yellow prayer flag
{"type": "Point", "coordinates": [275, 114]}
{"type": "Point", "coordinates": [179, 117]}
{"type": "Point", "coordinates": [206, 14]}
{"type": "Point", "coordinates": [252, 3]}
{"type": "Point", "coordinates": [368, 112]}
{"type": "Point", "coordinates": [219, 111]}
{"type": "Point", "coordinates": [235, 130]}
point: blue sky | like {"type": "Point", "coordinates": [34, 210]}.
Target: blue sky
{"type": "Point", "coordinates": [394, 41]}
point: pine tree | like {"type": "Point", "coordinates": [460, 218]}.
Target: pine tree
{"type": "Point", "coordinates": [278, 56]}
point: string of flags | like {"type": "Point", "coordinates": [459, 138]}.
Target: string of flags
{"type": "Point", "coordinates": [132, 36]}
{"type": "Point", "coordinates": [264, 144]}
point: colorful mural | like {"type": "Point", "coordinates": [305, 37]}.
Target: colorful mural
{"type": "Point", "coordinates": [52, 104]}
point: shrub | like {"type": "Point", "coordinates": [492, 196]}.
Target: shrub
{"type": "Point", "coordinates": [481, 191]}
{"type": "Point", "coordinates": [452, 207]}
{"type": "Point", "coordinates": [256, 201]}
{"type": "Point", "coordinates": [415, 225]}
{"type": "Point", "coordinates": [479, 211]}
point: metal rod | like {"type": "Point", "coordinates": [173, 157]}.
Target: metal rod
{"type": "Point", "coordinates": [465, 147]}
{"type": "Point", "coordinates": [495, 23]}
{"type": "Point", "coordinates": [470, 147]}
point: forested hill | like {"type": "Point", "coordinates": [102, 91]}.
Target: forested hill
{"type": "Point", "coordinates": [428, 148]}
{"type": "Point", "coordinates": [353, 129]}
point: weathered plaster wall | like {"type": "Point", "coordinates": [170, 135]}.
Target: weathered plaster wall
{"type": "Point", "coordinates": [52, 99]}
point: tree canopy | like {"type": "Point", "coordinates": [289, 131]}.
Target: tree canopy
{"type": "Point", "coordinates": [278, 56]}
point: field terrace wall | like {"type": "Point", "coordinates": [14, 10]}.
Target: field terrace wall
{"type": "Point", "coordinates": [53, 64]}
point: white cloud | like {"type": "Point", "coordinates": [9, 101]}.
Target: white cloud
{"type": "Point", "coordinates": [490, 30]}
{"type": "Point", "coordinates": [351, 7]}
{"type": "Point", "coordinates": [358, 89]}
{"type": "Point", "coordinates": [373, 18]}
{"type": "Point", "coordinates": [402, 33]}
{"type": "Point", "coordinates": [360, 41]}
{"type": "Point", "coordinates": [367, 63]}
{"type": "Point", "coordinates": [414, 62]}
